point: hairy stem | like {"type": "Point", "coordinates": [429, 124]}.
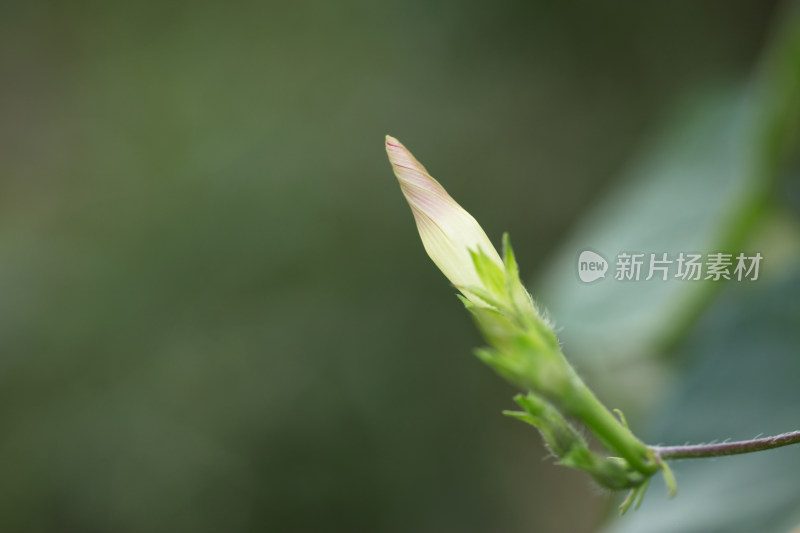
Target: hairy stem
{"type": "Point", "coordinates": [608, 429]}
{"type": "Point", "coordinates": [726, 448]}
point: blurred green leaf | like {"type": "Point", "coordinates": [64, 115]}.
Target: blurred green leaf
{"type": "Point", "coordinates": [702, 187]}
{"type": "Point", "coordinates": [680, 197]}
{"type": "Point", "coordinates": [742, 383]}
{"type": "Point", "coordinates": [705, 187]}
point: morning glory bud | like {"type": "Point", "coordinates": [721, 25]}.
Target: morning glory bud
{"type": "Point", "coordinates": [451, 236]}
{"type": "Point", "coordinates": [523, 348]}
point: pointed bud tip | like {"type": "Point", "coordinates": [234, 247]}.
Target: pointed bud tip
{"type": "Point", "coordinates": [391, 141]}
{"type": "Point", "coordinates": [448, 232]}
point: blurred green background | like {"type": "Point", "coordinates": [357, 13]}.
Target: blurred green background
{"type": "Point", "coordinates": [215, 311]}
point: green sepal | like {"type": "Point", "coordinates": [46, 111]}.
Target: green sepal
{"type": "Point", "coordinates": [561, 438]}
{"type": "Point", "coordinates": [490, 274]}
{"type": "Point", "coordinates": [669, 479]}
{"type": "Point", "coordinates": [485, 295]}
{"type": "Point", "coordinates": [641, 489]}
{"type": "Point", "coordinates": [634, 498]}
{"type": "Point", "coordinates": [520, 298]}
{"type": "Point", "coordinates": [622, 418]}
{"type": "Point", "coordinates": [507, 368]}
{"type": "Point", "coordinates": [496, 327]}
{"type": "Point", "coordinates": [569, 446]}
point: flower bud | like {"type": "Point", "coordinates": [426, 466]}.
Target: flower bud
{"type": "Point", "coordinates": [450, 235]}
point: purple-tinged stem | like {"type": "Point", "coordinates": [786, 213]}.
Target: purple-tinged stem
{"type": "Point", "coordinates": [693, 451]}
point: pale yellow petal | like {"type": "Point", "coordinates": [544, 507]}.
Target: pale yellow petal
{"type": "Point", "coordinates": [448, 232]}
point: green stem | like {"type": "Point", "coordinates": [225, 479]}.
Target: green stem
{"type": "Point", "coordinates": [609, 430]}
